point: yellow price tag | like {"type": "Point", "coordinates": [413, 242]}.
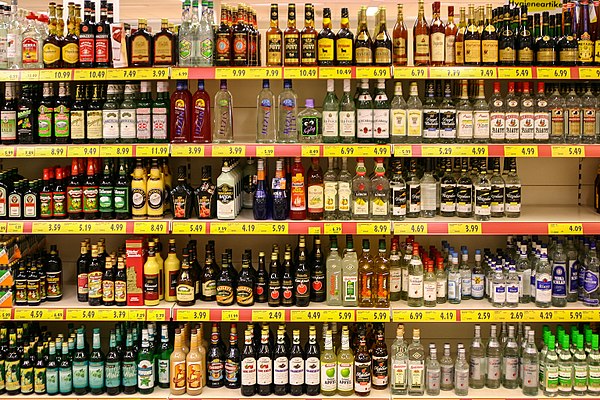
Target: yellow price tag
{"type": "Point", "coordinates": [372, 315]}
{"type": "Point", "coordinates": [265, 151]}
{"type": "Point", "coordinates": [340, 151]}
{"type": "Point", "coordinates": [402, 151]}
{"type": "Point", "coordinates": [228, 151]}
{"type": "Point", "coordinates": [553, 73]}
{"type": "Point", "coordinates": [332, 228]}
{"type": "Point", "coordinates": [460, 228]}
{"type": "Point", "coordinates": [14, 227]}
{"type": "Point", "coordinates": [29, 75]}
{"type": "Point", "coordinates": [338, 315]}
{"type": "Point", "coordinates": [306, 315]}
{"type": "Point", "coordinates": [158, 315]}
{"type": "Point", "coordinates": [589, 73]}
{"type": "Point", "coordinates": [515, 73]}
{"type": "Point", "coordinates": [565, 229]}
{"type": "Point", "coordinates": [3, 227]}
{"type": "Point", "coordinates": [268, 315]}
{"type": "Point", "coordinates": [192, 315]}
{"type": "Point", "coordinates": [83, 151]}
{"type": "Point", "coordinates": [232, 73]}
{"type": "Point", "coordinates": [455, 151]}
{"type": "Point", "coordinates": [478, 316]}
{"type": "Point", "coordinates": [56, 75]}
{"type": "Point", "coordinates": [266, 73]}
{"type": "Point", "coordinates": [424, 316]}
{"type": "Point", "coordinates": [335, 72]}
{"type": "Point", "coordinates": [372, 72]}
{"type": "Point", "coordinates": [137, 314]}
{"type": "Point", "coordinates": [45, 314]}
{"type": "Point", "coordinates": [463, 72]}
{"type": "Point", "coordinates": [118, 314]}
{"type": "Point", "coordinates": [148, 228]}
{"type": "Point", "coordinates": [373, 228]}
{"type": "Point", "coordinates": [373, 151]}
{"type": "Point", "coordinates": [230, 315]}
{"type": "Point", "coordinates": [82, 314]}
{"type": "Point", "coordinates": [568, 151]}
{"type": "Point", "coordinates": [25, 152]}
{"type": "Point", "coordinates": [7, 152]}
{"type": "Point", "coordinates": [250, 228]}
{"type": "Point", "coordinates": [314, 230]}
{"type": "Point", "coordinates": [189, 228]}
{"type": "Point", "coordinates": [119, 74]}
{"type": "Point", "coordinates": [576, 315]}
{"type": "Point", "coordinates": [407, 228]}
{"type": "Point", "coordinates": [179, 73]}
{"type": "Point", "coordinates": [187, 150]}
{"type": "Point", "coordinates": [410, 72]}
{"type": "Point", "coordinates": [108, 227]}
{"type": "Point", "coordinates": [311, 151]}
{"type": "Point", "coordinates": [155, 150]}
{"type": "Point", "coordinates": [123, 150]}
{"type": "Point", "coordinates": [156, 73]}
{"type": "Point", "coordinates": [90, 74]}
{"type": "Point", "coordinates": [521, 151]}
{"type": "Point", "coordinates": [47, 227]}
{"type": "Point", "coordinates": [9, 76]}
{"type": "Point", "coordinates": [5, 314]}
{"type": "Point", "coordinates": [300, 73]}
{"type": "Point", "coordinates": [56, 151]}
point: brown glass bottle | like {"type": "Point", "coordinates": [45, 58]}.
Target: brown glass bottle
{"type": "Point", "coordinates": [291, 39]}
{"type": "Point", "coordinates": [326, 41]}
{"type": "Point", "coordinates": [450, 30]}
{"type": "Point", "coordinates": [240, 39]}
{"type": "Point", "coordinates": [459, 43]}
{"type": "Point", "coordinates": [399, 39]}
{"type": "Point", "coordinates": [382, 42]}
{"type": "Point", "coordinates": [344, 41]}
{"type": "Point", "coordinates": [140, 51]}
{"type": "Point", "coordinates": [274, 39]}
{"type": "Point", "coordinates": [223, 40]}
{"type": "Point", "coordinates": [489, 40]}
{"type": "Point", "coordinates": [472, 40]}
{"type": "Point", "coordinates": [380, 362]}
{"type": "Point", "coordinates": [70, 43]}
{"type": "Point", "coordinates": [362, 364]}
{"type": "Point", "coordinates": [51, 48]}
{"type": "Point", "coordinates": [421, 50]}
{"type": "Point", "coordinates": [363, 46]}
{"type": "Point", "coordinates": [308, 38]}
{"type": "Point", "coordinates": [437, 37]}
{"type": "Point", "coordinates": [185, 284]}
{"type": "Point", "coordinates": [163, 45]}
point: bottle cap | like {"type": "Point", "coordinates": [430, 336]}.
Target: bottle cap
{"type": "Point", "coordinates": [310, 103]}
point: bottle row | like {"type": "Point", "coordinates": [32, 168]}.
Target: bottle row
{"type": "Point", "coordinates": [450, 112]}
{"type": "Point", "coordinates": [505, 35]}
{"type": "Point", "coordinates": [352, 361]}
{"type": "Point", "coordinates": [528, 271]}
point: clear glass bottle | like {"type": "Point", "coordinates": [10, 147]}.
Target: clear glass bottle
{"type": "Point", "coordinates": [461, 374]}
{"type": "Point", "coordinates": [330, 184]}
{"type": "Point", "coordinates": [593, 362]}
{"type": "Point", "coordinates": [364, 113]}
{"type": "Point", "coordinates": [331, 111]}
{"type": "Point", "coordinates": [542, 115]}
{"type": "Point", "coordinates": [530, 366]}
{"type": "Point", "coordinates": [398, 189]}
{"type": "Point", "coordinates": [266, 128]}
{"type": "Point", "coordinates": [223, 125]}
{"type": "Point", "coordinates": [510, 361]}
{"type": "Point", "coordinates": [428, 191]}
{"type": "Point", "coordinates": [559, 276]}
{"type": "Point", "coordinates": [465, 274]}
{"type": "Point", "coordinates": [454, 281]}
{"type": "Point", "coordinates": [580, 368]}
{"type": "Point", "coordinates": [345, 366]}
{"type": "Point", "coordinates": [590, 293]}
{"type": "Point", "coordinates": [399, 365]}
{"type": "Point", "coordinates": [557, 106]}
{"type": "Point", "coordinates": [288, 111]}
{"type": "Point", "coordinates": [512, 286]}
{"type": "Point", "coordinates": [447, 116]}
{"type": "Point", "coordinates": [589, 103]}
{"type": "Point", "coordinates": [381, 114]}
{"type": "Point", "coordinates": [526, 116]}
{"type": "Point", "coordinates": [398, 117]}
{"type": "Point", "coordinates": [441, 278]}
{"type": "Point", "coordinates": [433, 373]}
{"type": "Point", "coordinates": [481, 115]}
{"type": "Point", "coordinates": [565, 367]}
{"type": "Point", "coordinates": [206, 38]}
{"type": "Point", "coordinates": [413, 207]}
{"type": "Point", "coordinates": [512, 114]}
{"type": "Point", "coordinates": [493, 354]}
{"type": "Point", "coordinates": [498, 286]}
{"type": "Point", "coordinates": [344, 192]}
{"type": "Point", "coordinates": [573, 117]}
{"type": "Point", "coordinates": [414, 115]}
{"type": "Point", "coordinates": [447, 369]}
{"type": "Point", "coordinates": [543, 281]}
{"type": "Point", "coordinates": [482, 189]}
{"type": "Point", "coordinates": [415, 279]}
{"type": "Point", "coordinates": [551, 371]}
{"type": "Point", "coordinates": [361, 189]}
{"type": "Point", "coordinates": [431, 115]}
{"type": "Point", "coordinates": [429, 286]}
{"type": "Point", "coordinates": [497, 115]}
{"type": "Point", "coordinates": [350, 275]}
{"type": "Point", "coordinates": [347, 116]}
{"type": "Point", "coordinates": [447, 191]}
{"type": "Point", "coordinates": [498, 189]}
{"type": "Point", "coordinates": [416, 365]}
{"type": "Point", "coordinates": [309, 123]}
{"type": "Point", "coordinates": [464, 192]}
{"type": "Point", "coordinates": [334, 274]}
{"type": "Point", "coordinates": [379, 197]}
{"type": "Point", "coordinates": [464, 115]}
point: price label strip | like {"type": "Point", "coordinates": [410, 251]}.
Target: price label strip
{"type": "Point", "coordinates": [187, 150]}
{"type": "Point", "coordinates": [568, 151]}
{"type": "Point", "coordinates": [9, 76]}
{"type": "Point", "coordinates": [372, 315]}
{"type": "Point", "coordinates": [372, 228]}
{"type": "Point", "coordinates": [149, 228]}
{"type": "Point", "coordinates": [300, 73]}
{"type": "Point", "coordinates": [44, 314]}
{"type": "Point", "coordinates": [249, 228]}
{"type": "Point", "coordinates": [268, 315]}
{"type": "Point", "coordinates": [407, 228]}
{"type": "Point", "coordinates": [455, 151]}
{"type": "Point", "coordinates": [521, 151]}
{"type": "Point", "coordinates": [56, 75]}
{"type": "Point", "coordinates": [192, 315]}
{"type": "Point", "coordinates": [459, 228]}
{"type": "Point", "coordinates": [106, 227]}
{"type": "Point", "coordinates": [189, 228]}
{"type": "Point", "coordinates": [159, 150]}
{"type": "Point", "coordinates": [335, 72]}
{"type": "Point", "coordinates": [83, 151]}
{"type": "Point", "coordinates": [424, 316]}
{"type": "Point", "coordinates": [83, 314]}
{"type": "Point", "coordinates": [266, 73]}
{"type": "Point", "coordinates": [232, 73]}
{"type": "Point", "coordinates": [553, 73]}
{"type": "Point", "coordinates": [565, 229]}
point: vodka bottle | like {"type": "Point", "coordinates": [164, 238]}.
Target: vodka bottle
{"type": "Point", "coordinates": [266, 128]}
{"type": "Point", "coordinates": [543, 281]}
{"type": "Point", "coordinates": [481, 115]}
{"type": "Point", "coordinates": [465, 275]}
{"type": "Point", "coordinates": [559, 277]}
{"type": "Point", "coordinates": [512, 114]}
{"type": "Point", "coordinates": [447, 116]}
{"type": "Point", "coordinates": [185, 36]}
{"type": "Point", "coordinates": [476, 361]}
{"type": "Point", "coordinates": [497, 115]}
{"type": "Point", "coordinates": [454, 281]}
{"type": "Point", "coordinates": [572, 270]}
{"type": "Point", "coordinates": [428, 191]}
{"type": "Point", "coordinates": [510, 361]}
{"type": "Point", "coordinates": [524, 273]}
{"type": "Point", "coordinates": [493, 354]}
{"type": "Point", "coordinates": [541, 116]}
{"type": "Point", "coordinates": [498, 187]}
{"type": "Point", "coordinates": [590, 281]}
{"type": "Point", "coordinates": [415, 279]}
{"type": "Point", "coordinates": [288, 111]}
{"type": "Point", "coordinates": [461, 374]}
{"type": "Point", "coordinates": [432, 368]}
{"type": "Point", "coordinates": [13, 37]}
{"type": "Point", "coordinates": [512, 286]}
{"type": "Point", "coordinates": [526, 116]}
{"type": "Point", "coordinates": [477, 278]}
{"type": "Point", "coordinates": [593, 362]}
{"type": "Point", "coordinates": [482, 188]}
{"type": "Point", "coordinates": [556, 106]}
{"type": "Point", "coordinates": [498, 289]}
{"type": "Point", "coordinates": [464, 115]}
{"type": "Point", "coordinates": [447, 369]}
{"type": "Point", "coordinates": [195, 32]}
{"type": "Point", "coordinates": [414, 115]}
{"type": "Point", "coordinates": [530, 362]}
{"type": "Point", "coordinates": [573, 117]}
{"type": "Point", "coordinates": [431, 115]}
{"type": "Point", "coordinates": [223, 126]}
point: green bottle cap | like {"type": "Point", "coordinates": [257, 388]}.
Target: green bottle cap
{"type": "Point", "coordinates": [579, 342]}
{"type": "Point", "coordinates": [565, 342]}
{"type": "Point", "coordinates": [595, 341]}
{"type": "Point", "coordinates": [551, 342]}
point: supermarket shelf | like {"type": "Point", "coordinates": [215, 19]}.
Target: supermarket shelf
{"type": "Point", "coordinates": [300, 150]}
{"type": "Point", "coordinates": [339, 72]}
{"type": "Point", "coordinates": [57, 227]}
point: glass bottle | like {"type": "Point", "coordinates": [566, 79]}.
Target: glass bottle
{"type": "Point", "coordinates": [416, 365]}
{"type": "Point", "coordinates": [421, 49]}
{"type": "Point", "coordinates": [362, 368]}
{"type": "Point", "coordinates": [274, 39]}
{"type": "Point", "coordinates": [265, 118]}
{"type": "Point", "coordinates": [414, 114]}
{"type": "Point", "coordinates": [398, 117]}
{"type": "Point", "coordinates": [201, 119]}
{"type": "Point", "coordinates": [363, 53]}
{"type": "Point", "coordinates": [364, 113]}
{"type": "Point", "coordinates": [380, 193]}
{"type": "Point", "coordinates": [344, 45]}
{"type": "Point", "coordinates": [464, 115]}
{"type": "Point", "coordinates": [361, 189]}
{"type": "Point", "coordinates": [331, 112]}
{"type": "Point", "coordinates": [326, 41]}
{"type": "Point", "coordinates": [288, 110]}
{"type": "Point", "coordinates": [223, 124]}
{"type": "Point", "coordinates": [308, 38]}
{"type": "Point", "coordinates": [309, 123]}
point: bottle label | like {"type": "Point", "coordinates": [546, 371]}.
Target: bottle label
{"type": "Point", "coordinates": [312, 371]}
{"type": "Point", "coordinates": [344, 193]}
{"type": "Point", "coordinates": [559, 280]}
{"type": "Point", "coordinates": [52, 379]}
{"type": "Point", "coordinates": [94, 124]}
{"type": "Point", "coordinates": [70, 54]}
{"type": "Point", "coordinates": [565, 378]}
{"type": "Point", "coordinates": [90, 199]}
{"type": "Point", "coordinates": [416, 375]}
{"type": "Point", "coordinates": [105, 199]}
{"type": "Point", "coordinates": [380, 203]}
{"type": "Point", "coordinates": [530, 375]}
{"type": "Point", "coordinates": [29, 205]}
{"type": "Point", "coordinates": [150, 286]}
{"type": "Point", "coordinates": [185, 293]}
{"type": "Point", "coordinates": [497, 125]}
{"type": "Point", "coordinates": [80, 374]}
{"type": "Point", "coordinates": [437, 46]}
{"type": "Point", "coordinates": [122, 199]}
{"type": "Point", "coordinates": [498, 293]}
{"type": "Point", "coordinates": [94, 285]}
{"type": "Point", "coordinates": [77, 124]}
{"type": "Point", "coordinates": [347, 123]}
{"type": "Point", "coordinates": [421, 56]}
{"type": "Point", "coordinates": [363, 56]}
{"type": "Point", "coordinates": [510, 368]}
{"type": "Point", "coordinates": [580, 378]}
{"type": "Point", "coordinates": [145, 374]}
{"type": "Point", "coordinates": [593, 378]}
{"type": "Point", "coordinates": [360, 203]}
{"type": "Point", "coordinates": [574, 122]}
{"type": "Point", "coordinates": [127, 123]}
{"type": "Point", "coordinates": [399, 375]}
{"type": "Point", "coordinates": [415, 286]}
{"type": "Point", "coordinates": [130, 373]}
{"type": "Point", "coordinates": [315, 199]}
{"type": "Point", "coordinates": [225, 294]}
{"type": "Point", "coordinates": [472, 51]}
{"type": "Point", "coordinates": [414, 122]}
{"type": "Point", "coordinates": [398, 120]}
{"type": "Point", "coordinates": [265, 371]}
{"type": "Point", "coordinates": [44, 121]}
{"type": "Point", "coordinates": [345, 372]}
{"type": "Point", "coordinates": [543, 288]}
{"type": "Point", "coordinates": [330, 123]}
{"type": "Point", "coordinates": [350, 283]}
{"type": "Point", "coordinates": [362, 381]}
{"type": "Point", "coordinates": [66, 380]}
{"type": "Point", "coordinates": [590, 286]}
{"type": "Point", "coordinates": [108, 291]}
{"type": "Point", "coordinates": [29, 53]}
{"type": "Point", "coordinates": [513, 198]}
{"type": "Point", "coordinates": [542, 125]}
{"type": "Point", "coordinates": [429, 291]}
{"type": "Point", "coordinates": [101, 47]}
{"type": "Point", "coordinates": [178, 375]}
{"type": "Point", "coordinates": [248, 371]}
{"type": "Point", "coordinates": [51, 53]}
{"type": "Point", "coordinates": [325, 49]}
{"type": "Point", "coordinates": [431, 123]}
{"type": "Point", "coordinates": [447, 197]}
{"type": "Point", "coordinates": [345, 49]}
{"type": "Point", "coordinates": [381, 123]}
{"type": "Point", "coordinates": [308, 49]}
{"type": "Point", "coordinates": [464, 198]}
{"type": "Point", "coordinates": [86, 46]}
{"type": "Point", "coordinates": [330, 193]}
{"type": "Point", "coordinates": [481, 124]}
{"type": "Point", "coordinates": [441, 288]}
{"type": "Point", "coordinates": [120, 291]}
{"type": "Point", "coordinates": [489, 51]}
{"type": "Point", "coordinates": [8, 125]}
{"type": "Point", "coordinates": [398, 200]}
{"type": "Point", "coordinates": [414, 191]}
{"type": "Point", "coordinates": [328, 376]}
{"type": "Point", "coordinates": [310, 127]}
{"type": "Point", "coordinates": [364, 123]}
{"type": "Point", "coordinates": [96, 374]}
{"type": "Point", "coordinates": [448, 123]}
{"type": "Point", "coordinates": [483, 200]}
{"type": "Point", "coordinates": [144, 123]}
{"type": "Point", "coordinates": [298, 199]}
{"type": "Point", "coordinates": [512, 293]}
{"type": "Point", "coordinates": [273, 49]}
{"type": "Point", "coordinates": [159, 123]}
{"type": "Point", "coordinates": [497, 199]}
{"type": "Point", "coordinates": [557, 122]}
{"type": "Point", "coordinates": [461, 380]}
{"type": "Point", "coordinates": [447, 373]}
{"type": "Point", "coordinates": [225, 201]}
{"type": "Point", "coordinates": [464, 125]}
{"type": "Point", "coordinates": [194, 373]}
{"type": "Point", "coordinates": [215, 371]}
{"type": "Point", "coordinates": [573, 276]}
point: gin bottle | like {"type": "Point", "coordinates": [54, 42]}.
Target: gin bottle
{"type": "Point", "coordinates": [431, 115]}
{"type": "Point", "coordinates": [416, 365]}
{"type": "Point", "coordinates": [447, 191]}
{"type": "Point", "coordinates": [398, 117]}
{"type": "Point", "coordinates": [556, 106]}
{"type": "Point", "coordinates": [330, 115]}
{"type": "Point", "coordinates": [498, 189]}
{"type": "Point", "coordinates": [530, 366]}
{"type": "Point", "coordinates": [399, 363]}
{"type": "Point", "coordinates": [512, 286]}
{"type": "Point", "coordinates": [288, 110]}
{"type": "Point", "coordinates": [573, 116]}
{"type": "Point", "coordinates": [464, 192]}
{"type": "Point", "coordinates": [526, 116]}
{"type": "Point", "coordinates": [510, 361]}
{"type": "Point", "coordinates": [433, 373]}
{"type": "Point", "coordinates": [512, 115]}
{"type": "Point", "coordinates": [347, 116]}
{"type": "Point", "coordinates": [309, 123]}
{"type": "Point", "coordinates": [447, 369]}
{"type": "Point", "coordinates": [542, 115]}
{"type": "Point", "coordinates": [589, 125]}
{"type": "Point", "coordinates": [265, 115]}
{"type": "Point", "coordinates": [415, 279]}
{"type": "Point", "coordinates": [494, 360]}
{"type": "Point", "coordinates": [461, 374]}
{"type": "Point", "coordinates": [223, 126]}
{"type": "Point", "coordinates": [428, 191]}
{"type": "Point", "coordinates": [398, 188]}
{"type": "Point", "coordinates": [543, 281]}
{"type": "Point", "coordinates": [476, 378]}
{"type": "Point", "coordinates": [454, 281]}
{"type": "Point", "coordinates": [447, 116]}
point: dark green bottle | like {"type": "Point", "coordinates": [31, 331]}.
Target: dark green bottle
{"type": "Point", "coordinates": [106, 193]}
{"type": "Point", "coordinates": [65, 371]}
{"type": "Point", "coordinates": [145, 366]}
{"type": "Point", "coordinates": [96, 365]}
{"type": "Point", "coordinates": [112, 370]}
{"type": "Point", "coordinates": [122, 195]}
{"type": "Point", "coordinates": [39, 372]}
{"type": "Point", "coordinates": [80, 366]}
{"type": "Point", "coordinates": [129, 366]}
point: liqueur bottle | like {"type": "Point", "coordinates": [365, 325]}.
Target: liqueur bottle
{"type": "Point", "coordinates": [182, 196]}
{"type": "Point", "coordinates": [472, 40]}
{"type": "Point", "coordinates": [326, 47]}
{"type": "Point", "coordinates": [344, 41]}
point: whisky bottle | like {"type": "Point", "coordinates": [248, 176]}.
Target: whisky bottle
{"type": "Point", "coordinates": [274, 39]}
{"type": "Point", "coordinates": [438, 37]}
{"type": "Point", "coordinates": [308, 38]}
{"type": "Point", "coordinates": [421, 48]}
{"type": "Point", "coordinates": [344, 41]}
{"type": "Point", "coordinates": [326, 41]}
{"type": "Point", "coordinates": [140, 53]}
{"type": "Point", "coordinates": [363, 54]}
{"type": "Point", "coordinates": [382, 43]}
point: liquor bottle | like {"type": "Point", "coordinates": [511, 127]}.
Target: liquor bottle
{"type": "Point", "coordinates": [108, 284]}
{"type": "Point", "coordinates": [567, 45]}
{"type": "Point", "coordinates": [379, 201]}
{"type": "Point", "coordinates": [328, 367]}
{"type": "Point", "coordinates": [415, 279]}
{"type": "Point", "coordinates": [330, 183]}
{"type": "Point", "coordinates": [288, 109]}
{"type": "Point", "coordinates": [281, 366]}
{"type": "Point", "coordinates": [45, 124]}
{"type": "Point", "coordinates": [140, 53]}
{"type": "Point", "coordinates": [223, 124]}
{"type": "Point", "coordinates": [194, 365]}
{"type": "Point", "coordinates": [240, 39]}
{"type": "Point", "coordinates": [8, 115]}
{"type": "Point", "coordinates": [344, 41]}
{"type": "Point", "coordinates": [326, 45]}
{"type": "Point", "coordinates": [398, 117]}
{"type": "Point", "coordinates": [464, 115]}
{"type": "Point", "coordinates": [274, 45]}
{"type": "Point", "coordinates": [381, 298]}
{"type": "Point", "coordinates": [331, 112]}
{"type": "Point", "coordinates": [399, 40]}
{"type": "Point", "coordinates": [274, 284]}
{"type": "Point", "coordinates": [361, 188]}
{"type": "Point", "coordinates": [245, 284]}
{"type": "Point", "coordinates": [382, 42]}
{"type": "Point", "coordinates": [433, 377]}
{"type": "Point", "coordinates": [542, 115]}
{"type": "Point", "coordinates": [365, 276]}
{"type": "Point", "coordinates": [129, 366]}
{"type": "Point", "coordinates": [309, 123]}
{"type": "Point", "coordinates": [381, 114]}
{"type": "Point", "coordinates": [181, 114]}
{"type": "Point", "coordinates": [350, 275]}
{"type": "Point", "coordinates": [65, 370]}
{"type": "Point", "coordinates": [87, 38]}
{"type": "Point", "coordinates": [364, 113]}
{"type": "Point", "coordinates": [472, 40]}
{"type": "Point", "coordinates": [160, 112]}
{"type": "Point", "coordinates": [507, 54]}
{"type": "Point", "coordinates": [414, 192]}
{"type": "Point", "coordinates": [206, 37]}
{"type": "Point", "coordinates": [416, 365]}
{"type": "Point", "coordinates": [287, 281]}
{"type": "Point", "coordinates": [545, 44]}
{"type": "Point", "coordinates": [362, 368]}
{"type": "Point", "coordinates": [26, 116]}
{"type": "Point", "coordinates": [264, 361]}
{"type": "Point", "coordinates": [363, 52]}
{"type": "Point", "coordinates": [248, 366]}
{"type": "Point", "coordinates": [266, 128]}
{"type": "Point", "coordinates": [223, 39]}
{"type": "Point", "coordinates": [414, 115]}
{"type": "Point", "coordinates": [298, 191]}
{"type": "Point", "coordinates": [293, 40]}
{"type": "Point", "coordinates": [450, 30]}
{"type": "Point", "coordinates": [51, 47]}
{"type": "Point", "coordinates": [431, 115]}
{"type": "Point", "coordinates": [526, 116]}
{"type": "Point", "coordinates": [93, 117]}
{"type": "Point", "coordinates": [315, 191]}
{"type": "Point", "coordinates": [585, 44]}
{"type": "Point", "coordinates": [398, 193]}
{"type": "Point", "coordinates": [489, 40]}
{"type": "Point", "coordinates": [459, 41]}
{"type": "Point", "coordinates": [102, 46]}
{"type": "Point", "coordinates": [302, 279]}
{"type": "Point", "coordinates": [437, 36]}
{"type": "Point", "coordinates": [184, 285]}
{"type": "Point", "coordinates": [318, 284]}
{"type": "Point", "coordinates": [143, 113]}
{"type": "Point", "coordinates": [525, 51]}
{"type": "Point", "coordinates": [573, 116]}
{"type": "Point", "coordinates": [421, 48]}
